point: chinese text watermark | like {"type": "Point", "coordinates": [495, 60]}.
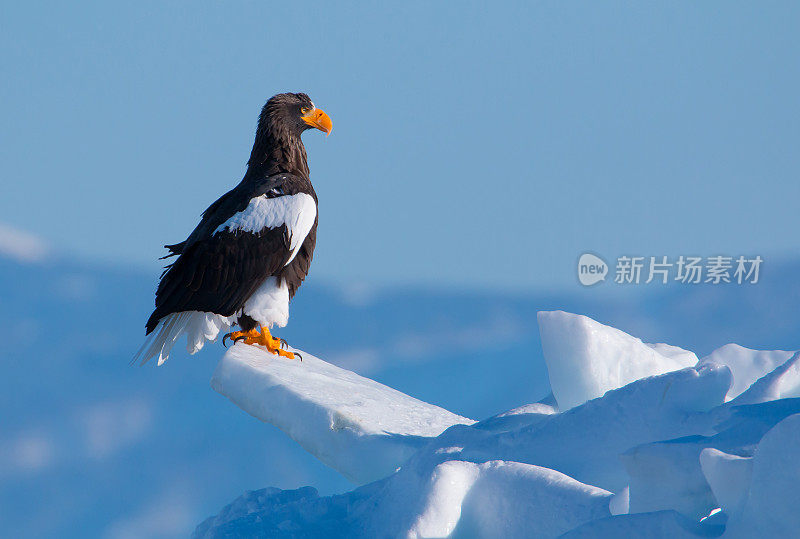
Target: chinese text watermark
{"type": "Point", "coordinates": [662, 269]}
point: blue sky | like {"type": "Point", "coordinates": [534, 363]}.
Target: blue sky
{"type": "Point", "coordinates": [472, 146]}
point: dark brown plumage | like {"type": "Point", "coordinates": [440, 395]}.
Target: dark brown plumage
{"type": "Point", "coordinates": [217, 273]}
{"type": "Point", "coordinates": [224, 261]}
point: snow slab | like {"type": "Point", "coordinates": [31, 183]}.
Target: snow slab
{"type": "Point", "coordinates": [729, 477]}
{"type": "Point", "coordinates": [783, 382]}
{"type": "Point", "coordinates": [359, 427]}
{"type": "Point", "coordinates": [586, 358]}
{"type": "Point", "coordinates": [671, 474]}
{"type": "Point", "coordinates": [586, 442]}
{"type": "Point", "coordinates": [517, 418]}
{"type": "Point", "coordinates": [453, 498]}
{"type": "Point", "coordinates": [662, 456]}
{"type": "Point", "coordinates": [439, 495]}
{"type": "Point", "coordinates": [508, 496]}
{"type": "Point", "coordinates": [746, 364]}
{"type": "Point", "coordinates": [770, 509]}
{"type": "Point", "coordinates": [667, 476]}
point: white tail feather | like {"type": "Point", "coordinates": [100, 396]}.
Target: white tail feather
{"type": "Point", "coordinates": [199, 327]}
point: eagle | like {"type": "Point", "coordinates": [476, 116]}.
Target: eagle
{"type": "Point", "coordinates": [252, 250]}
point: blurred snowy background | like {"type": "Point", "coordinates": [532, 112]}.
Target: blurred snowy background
{"type": "Point", "coordinates": [92, 446]}
{"type": "Point", "coordinates": [509, 140]}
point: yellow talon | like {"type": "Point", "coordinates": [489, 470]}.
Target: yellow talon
{"type": "Point", "coordinates": [263, 337]}
{"type": "Point", "coordinates": [236, 336]}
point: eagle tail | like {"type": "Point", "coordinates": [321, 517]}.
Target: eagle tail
{"type": "Point", "coordinates": [199, 327]}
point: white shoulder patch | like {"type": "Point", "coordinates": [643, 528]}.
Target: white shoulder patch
{"type": "Point", "coordinates": [297, 212]}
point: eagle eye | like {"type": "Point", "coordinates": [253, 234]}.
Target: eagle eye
{"type": "Point", "coordinates": [304, 110]}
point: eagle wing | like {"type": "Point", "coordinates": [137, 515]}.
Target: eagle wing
{"type": "Point", "coordinates": [250, 233]}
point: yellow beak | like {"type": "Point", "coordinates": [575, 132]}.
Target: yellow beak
{"type": "Point", "coordinates": [317, 118]}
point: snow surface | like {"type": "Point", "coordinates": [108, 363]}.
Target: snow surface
{"type": "Point", "coordinates": [585, 358]}
{"type": "Point", "coordinates": [782, 383]}
{"type": "Point", "coordinates": [728, 476]}
{"type": "Point", "coordinates": [662, 456]}
{"type": "Point", "coordinates": [361, 428]}
{"type": "Point", "coordinates": [770, 508]}
{"type": "Point", "coordinates": [430, 497]}
{"type": "Point", "coordinates": [747, 365]}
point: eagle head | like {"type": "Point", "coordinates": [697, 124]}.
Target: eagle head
{"type": "Point", "coordinates": [277, 145]}
{"type": "Point", "coordinates": [291, 114]}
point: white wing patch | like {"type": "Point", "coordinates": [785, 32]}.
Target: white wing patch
{"type": "Point", "coordinates": [297, 212]}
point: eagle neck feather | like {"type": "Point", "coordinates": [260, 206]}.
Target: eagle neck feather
{"type": "Point", "coordinates": [277, 150]}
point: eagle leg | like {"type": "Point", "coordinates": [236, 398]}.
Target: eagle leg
{"type": "Point", "coordinates": [274, 345]}
{"type": "Point", "coordinates": [262, 337]}
{"type": "Point", "coordinates": [237, 336]}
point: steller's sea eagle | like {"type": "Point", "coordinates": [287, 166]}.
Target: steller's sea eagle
{"type": "Point", "coordinates": [252, 249]}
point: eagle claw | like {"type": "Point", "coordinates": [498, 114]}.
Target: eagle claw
{"type": "Point", "coordinates": [275, 345]}
{"type": "Point", "coordinates": [235, 337]}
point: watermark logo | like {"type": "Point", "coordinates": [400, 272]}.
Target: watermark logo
{"type": "Point", "coordinates": [591, 269]}
{"type": "Point", "coordinates": [662, 270]}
